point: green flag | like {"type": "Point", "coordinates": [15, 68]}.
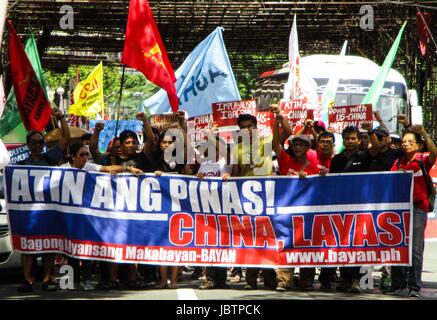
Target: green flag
{"type": "Point", "coordinates": [372, 95]}
{"type": "Point", "coordinates": [11, 125]}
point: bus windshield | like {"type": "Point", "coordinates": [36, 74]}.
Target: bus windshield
{"type": "Point", "coordinates": [392, 100]}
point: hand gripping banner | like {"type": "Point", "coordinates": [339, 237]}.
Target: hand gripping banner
{"type": "Point", "coordinates": [336, 220]}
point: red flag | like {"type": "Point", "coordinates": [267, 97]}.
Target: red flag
{"type": "Point", "coordinates": [143, 50]}
{"type": "Point", "coordinates": [422, 30]}
{"type": "Point", "coordinates": [32, 104]}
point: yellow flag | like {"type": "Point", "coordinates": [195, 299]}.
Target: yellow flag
{"type": "Point", "coordinates": [88, 95]}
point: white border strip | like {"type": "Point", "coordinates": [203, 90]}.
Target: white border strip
{"type": "Point", "coordinates": [119, 215]}
{"type": "Point", "coordinates": [186, 294]}
{"type": "Point", "coordinates": [344, 208]}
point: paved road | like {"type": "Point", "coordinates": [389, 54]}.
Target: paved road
{"type": "Point", "coordinates": [188, 289]}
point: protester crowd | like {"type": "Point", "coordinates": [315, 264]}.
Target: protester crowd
{"type": "Point", "coordinates": [308, 152]}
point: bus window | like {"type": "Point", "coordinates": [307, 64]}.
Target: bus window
{"type": "Point", "coordinates": [341, 100]}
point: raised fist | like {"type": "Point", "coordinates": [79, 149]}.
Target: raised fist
{"type": "Point", "coordinates": [367, 125]}
{"type": "Point", "coordinates": [180, 115]}
{"type": "Point", "coordinates": [57, 113]}
{"type": "Point", "coordinates": [418, 128]}
{"type": "Point", "coordinates": [140, 116]}
{"type": "Point", "coordinates": [274, 108]}
{"type": "Point", "coordinates": [403, 119]}
{"type": "Point", "coordinates": [309, 123]}
{"type": "Point", "coordinates": [377, 115]}
{"type": "Point", "coordinates": [99, 126]}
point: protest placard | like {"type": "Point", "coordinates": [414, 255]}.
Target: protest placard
{"type": "Point", "coordinates": [295, 113]}
{"type": "Point", "coordinates": [227, 113]}
{"type": "Point", "coordinates": [266, 120]}
{"type": "Point", "coordinates": [197, 126]}
{"type": "Point", "coordinates": [342, 117]}
{"type": "Point", "coordinates": [162, 121]}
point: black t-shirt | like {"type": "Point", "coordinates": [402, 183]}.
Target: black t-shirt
{"type": "Point", "coordinates": [384, 161]}
{"type": "Point", "coordinates": [360, 162]}
{"type": "Point", "coordinates": [154, 162]}
{"type": "Point", "coordinates": [137, 161]}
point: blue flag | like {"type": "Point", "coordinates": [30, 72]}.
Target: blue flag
{"type": "Point", "coordinates": [205, 77]}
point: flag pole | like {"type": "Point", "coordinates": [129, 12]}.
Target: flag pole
{"type": "Point", "coordinates": [119, 101]}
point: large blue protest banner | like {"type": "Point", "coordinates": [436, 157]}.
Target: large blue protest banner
{"type": "Point", "coordinates": [337, 220]}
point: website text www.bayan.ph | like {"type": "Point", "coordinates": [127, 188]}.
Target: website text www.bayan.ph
{"type": "Point", "coordinates": [344, 256]}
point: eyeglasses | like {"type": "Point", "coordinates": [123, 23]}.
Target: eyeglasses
{"type": "Point", "coordinates": [84, 154]}
{"type": "Point", "coordinates": [34, 142]}
{"type": "Point", "coordinates": [409, 142]}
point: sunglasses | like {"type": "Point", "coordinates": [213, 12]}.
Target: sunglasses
{"type": "Point", "coordinates": [35, 142]}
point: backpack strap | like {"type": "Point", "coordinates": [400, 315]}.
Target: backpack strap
{"type": "Point", "coordinates": [428, 180]}
{"type": "Point", "coordinates": [422, 165]}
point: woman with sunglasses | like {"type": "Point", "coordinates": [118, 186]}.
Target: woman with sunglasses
{"type": "Point", "coordinates": [36, 143]}
{"type": "Point", "coordinates": [79, 156]}
{"type": "Point", "coordinates": [38, 156]}
{"type": "Point", "coordinates": [420, 163]}
{"type": "Point", "coordinates": [163, 165]}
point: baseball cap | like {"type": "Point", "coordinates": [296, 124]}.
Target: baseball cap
{"type": "Point", "coordinates": [318, 124]}
{"type": "Point", "coordinates": [381, 131]}
{"type": "Point", "coordinates": [395, 137]}
{"type": "Point", "coordinates": [302, 137]}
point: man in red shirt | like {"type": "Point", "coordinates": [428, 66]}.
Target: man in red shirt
{"type": "Point", "coordinates": [295, 163]}
{"type": "Point", "coordinates": [417, 162]}
{"type": "Point", "coordinates": [324, 153]}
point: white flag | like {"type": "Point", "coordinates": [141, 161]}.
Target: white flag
{"type": "Point", "coordinates": [293, 84]}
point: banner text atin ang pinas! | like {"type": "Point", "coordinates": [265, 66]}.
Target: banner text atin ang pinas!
{"type": "Point", "coordinates": [347, 219]}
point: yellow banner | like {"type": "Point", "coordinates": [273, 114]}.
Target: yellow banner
{"type": "Point", "coordinates": [88, 95]}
